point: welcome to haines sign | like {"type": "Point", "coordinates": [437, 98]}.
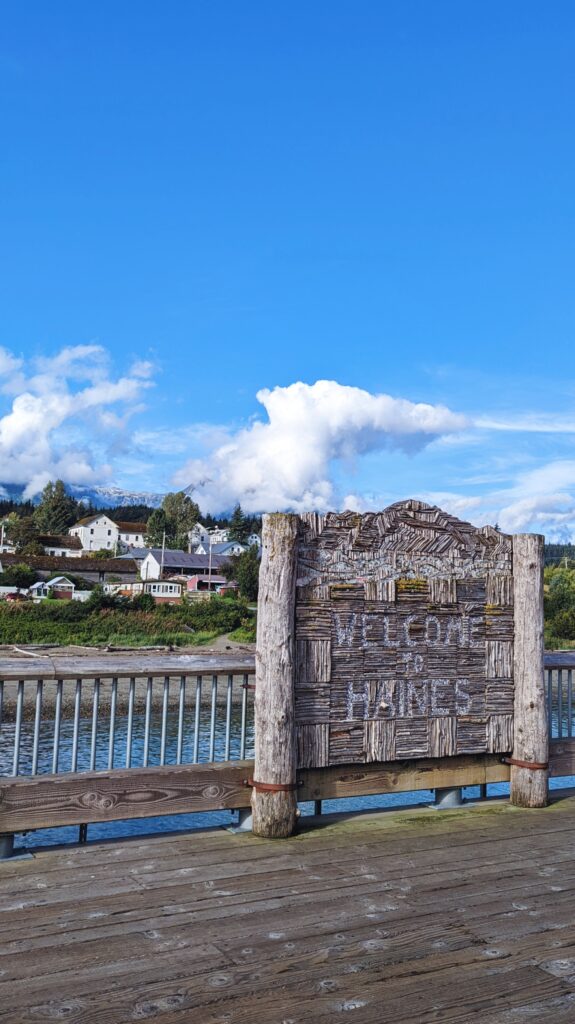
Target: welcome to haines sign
{"type": "Point", "coordinates": [404, 637]}
{"type": "Point", "coordinates": [390, 636]}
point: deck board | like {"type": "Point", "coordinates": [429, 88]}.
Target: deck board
{"type": "Point", "coordinates": [466, 915]}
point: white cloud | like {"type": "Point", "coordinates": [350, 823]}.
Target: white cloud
{"type": "Point", "coordinates": [541, 500]}
{"type": "Point", "coordinates": [142, 368]}
{"type": "Point", "coordinates": [63, 416]}
{"type": "Point", "coordinates": [551, 514]}
{"type": "Point", "coordinates": [286, 462]}
{"type": "Point", "coordinates": [543, 423]}
{"type": "Point", "coordinates": [458, 505]}
{"type": "Point", "coordinates": [69, 415]}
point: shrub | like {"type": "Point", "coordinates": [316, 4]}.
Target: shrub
{"type": "Point", "coordinates": [143, 602]}
{"type": "Point", "coordinates": [105, 619]}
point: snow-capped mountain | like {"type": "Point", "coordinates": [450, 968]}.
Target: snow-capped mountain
{"type": "Point", "coordinates": [97, 496]}
{"type": "Point", "coordinates": [101, 497]}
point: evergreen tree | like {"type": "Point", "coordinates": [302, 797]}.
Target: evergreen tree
{"type": "Point", "coordinates": [123, 513]}
{"type": "Point", "coordinates": [57, 510]}
{"type": "Point", "coordinates": [245, 570]}
{"type": "Point", "coordinates": [240, 527]}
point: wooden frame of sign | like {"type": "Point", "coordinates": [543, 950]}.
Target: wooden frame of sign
{"type": "Point", "coordinates": [395, 635]}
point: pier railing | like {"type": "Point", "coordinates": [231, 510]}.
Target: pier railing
{"type": "Point", "coordinates": [560, 670]}
{"type": "Point", "coordinates": [105, 738]}
{"type": "Point", "coordinates": [153, 716]}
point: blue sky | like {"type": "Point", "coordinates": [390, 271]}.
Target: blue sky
{"type": "Point", "coordinates": [203, 203]}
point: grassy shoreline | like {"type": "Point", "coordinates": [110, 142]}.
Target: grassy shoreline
{"type": "Point", "coordinates": [125, 624]}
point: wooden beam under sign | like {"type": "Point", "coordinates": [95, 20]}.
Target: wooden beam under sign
{"type": "Point", "coordinates": [401, 777]}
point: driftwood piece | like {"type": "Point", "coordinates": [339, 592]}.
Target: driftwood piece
{"type": "Point", "coordinates": [530, 732]}
{"type": "Point", "coordinates": [274, 813]}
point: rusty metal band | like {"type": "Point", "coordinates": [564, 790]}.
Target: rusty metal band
{"type": "Point", "coordinates": [248, 686]}
{"type": "Point", "coordinates": [272, 787]}
{"type": "Point", "coordinates": [534, 766]}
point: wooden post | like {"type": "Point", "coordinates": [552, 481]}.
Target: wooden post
{"type": "Point", "coordinates": [274, 813]}
{"type": "Point", "coordinates": [529, 788]}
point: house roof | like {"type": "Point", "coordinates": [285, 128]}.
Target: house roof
{"type": "Point", "coordinates": [207, 579]}
{"type": "Point", "coordinates": [176, 559]}
{"type": "Point", "coordinates": [60, 541]}
{"type": "Point", "coordinates": [58, 581]}
{"type": "Point", "coordinates": [125, 527]}
{"type": "Point", "coordinates": [90, 519]}
{"type": "Point", "coordinates": [139, 553]}
{"type": "Point", "coordinates": [130, 527]}
{"type": "Point", "coordinates": [74, 565]}
{"type": "Point", "coordinates": [221, 549]}
{"type": "Point", "coordinates": [55, 581]}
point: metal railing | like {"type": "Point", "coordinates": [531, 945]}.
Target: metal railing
{"type": "Point", "coordinates": [559, 671]}
{"type": "Point", "coordinates": [132, 720]}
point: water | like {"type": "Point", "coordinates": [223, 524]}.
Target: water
{"type": "Point", "coordinates": [121, 757]}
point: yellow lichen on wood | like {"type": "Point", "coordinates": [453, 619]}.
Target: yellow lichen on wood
{"type": "Point", "coordinates": [407, 585]}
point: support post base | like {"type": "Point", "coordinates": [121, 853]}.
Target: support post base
{"type": "Point", "coordinates": [447, 798]}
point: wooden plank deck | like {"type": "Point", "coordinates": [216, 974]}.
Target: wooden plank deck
{"type": "Point", "coordinates": [416, 916]}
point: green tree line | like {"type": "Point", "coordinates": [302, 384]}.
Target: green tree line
{"type": "Point", "coordinates": [24, 523]}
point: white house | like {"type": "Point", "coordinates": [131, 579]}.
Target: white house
{"type": "Point", "coordinates": [232, 547]}
{"type": "Point", "coordinates": [96, 532]}
{"type": "Point", "coordinates": [99, 531]}
{"type": "Point", "coordinates": [174, 563]}
{"type": "Point", "coordinates": [164, 591]}
{"type": "Point", "coordinates": [220, 534]}
{"type": "Point", "coordinates": [131, 535]}
{"type": "Point", "coordinates": [198, 535]}
{"type": "Point", "coordinates": [254, 539]}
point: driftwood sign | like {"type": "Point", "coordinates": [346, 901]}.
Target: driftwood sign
{"type": "Point", "coordinates": [404, 637]}
{"type": "Point", "coordinates": [391, 636]}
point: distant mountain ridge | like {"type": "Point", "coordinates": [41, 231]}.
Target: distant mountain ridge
{"type": "Point", "coordinates": [97, 496]}
{"type": "Point", "coordinates": [103, 497]}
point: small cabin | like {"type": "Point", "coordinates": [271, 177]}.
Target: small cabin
{"type": "Point", "coordinates": [60, 588]}
{"type": "Point", "coordinates": [164, 591]}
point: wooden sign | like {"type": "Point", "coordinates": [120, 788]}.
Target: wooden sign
{"type": "Point", "coordinates": [391, 636]}
{"type": "Point", "coordinates": [404, 637]}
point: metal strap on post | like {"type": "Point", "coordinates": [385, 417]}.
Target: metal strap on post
{"type": "Point", "coordinates": [534, 766]}
{"type": "Point", "coordinates": [272, 787]}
